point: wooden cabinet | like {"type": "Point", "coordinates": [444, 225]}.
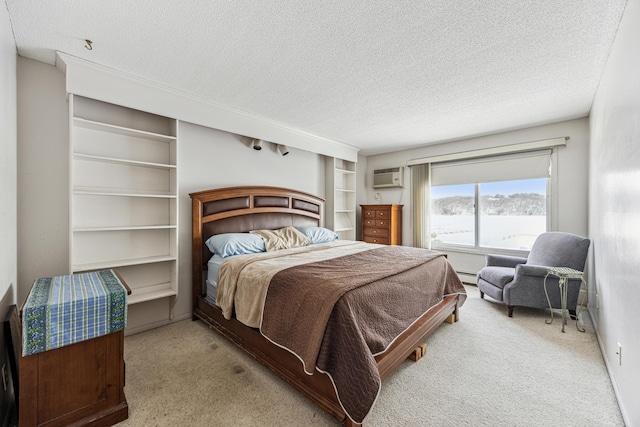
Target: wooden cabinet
{"type": "Point", "coordinates": [382, 224]}
{"type": "Point", "coordinates": [124, 196]}
{"type": "Point", "coordinates": [79, 384]}
{"type": "Point", "coordinates": [341, 202]}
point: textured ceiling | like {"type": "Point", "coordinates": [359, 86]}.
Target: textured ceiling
{"type": "Point", "coordinates": [379, 75]}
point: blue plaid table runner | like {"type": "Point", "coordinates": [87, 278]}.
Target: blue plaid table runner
{"type": "Point", "coordinates": [64, 310]}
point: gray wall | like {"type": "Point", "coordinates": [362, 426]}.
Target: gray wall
{"type": "Point", "coordinates": [614, 213]}
{"type": "Point", "coordinates": [569, 212]}
{"type": "Point", "coordinates": [8, 209]}
{"type": "Point", "coordinates": [208, 158]}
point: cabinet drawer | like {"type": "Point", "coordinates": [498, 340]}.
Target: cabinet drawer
{"type": "Point", "coordinates": [379, 240]}
{"type": "Point", "coordinates": [384, 214]}
{"type": "Point", "coordinates": [376, 223]}
{"type": "Point", "coordinates": [370, 213]}
{"type": "Point", "coordinates": [376, 232]}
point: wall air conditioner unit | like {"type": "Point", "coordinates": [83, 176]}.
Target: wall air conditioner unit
{"type": "Point", "coordinates": [387, 178]}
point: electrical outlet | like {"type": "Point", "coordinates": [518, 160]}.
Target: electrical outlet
{"type": "Point", "coordinates": [377, 196]}
{"type": "Point", "coordinates": [619, 353]}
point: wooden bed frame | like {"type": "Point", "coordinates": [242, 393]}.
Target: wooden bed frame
{"type": "Point", "coordinates": [241, 209]}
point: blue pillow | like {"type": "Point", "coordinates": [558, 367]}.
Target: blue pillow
{"type": "Point", "coordinates": [318, 234]}
{"type": "Point", "coordinates": [230, 244]}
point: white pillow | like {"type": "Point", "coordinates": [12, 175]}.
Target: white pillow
{"type": "Point", "coordinates": [283, 238]}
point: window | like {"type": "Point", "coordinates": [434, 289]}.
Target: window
{"type": "Point", "coordinates": [511, 214]}
{"type": "Point", "coordinates": [453, 217]}
{"type": "Point", "coordinates": [493, 202]}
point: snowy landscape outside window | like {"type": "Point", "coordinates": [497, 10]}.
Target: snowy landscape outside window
{"type": "Point", "coordinates": [510, 214]}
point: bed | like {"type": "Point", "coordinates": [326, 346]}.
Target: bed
{"type": "Point", "coordinates": [326, 358]}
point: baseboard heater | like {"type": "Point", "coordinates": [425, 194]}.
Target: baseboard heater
{"type": "Point", "coordinates": [467, 277]}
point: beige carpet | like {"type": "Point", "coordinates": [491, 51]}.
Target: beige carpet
{"type": "Point", "coordinates": [485, 370]}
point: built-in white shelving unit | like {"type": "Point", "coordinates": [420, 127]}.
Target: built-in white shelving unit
{"type": "Point", "coordinates": [124, 196]}
{"type": "Point", "coordinates": [341, 197]}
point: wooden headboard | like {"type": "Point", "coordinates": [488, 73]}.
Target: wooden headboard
{"type": "Point", "coordinates": [242, 209]}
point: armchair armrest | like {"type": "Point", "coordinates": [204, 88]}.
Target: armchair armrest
{"type": "Point", "coordinates": [530, 270]}
{"type": "Point", "coordinates": [504, 260]}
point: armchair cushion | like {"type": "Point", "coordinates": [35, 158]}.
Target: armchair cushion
{"type": "Point", "coordinates": [497, 276]}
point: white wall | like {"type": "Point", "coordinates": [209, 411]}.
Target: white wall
{"type": "Point", "coordinates": [361, 191]}
{"type": "Point", "coordinates": [570, 210]}
{"type": "Point", "coordinates": [8, 209]}
{"type": "Point", "coordinates": [614, 213]}
{"type": "Point", "coordinates": [8, 258]}
{"type": "Point", "coordinates": [43, 174]}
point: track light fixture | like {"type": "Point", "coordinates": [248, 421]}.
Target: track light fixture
{"type": "Point", "coordinates": [283, 149]}
{"type": "Point", "coordinates": [256, 144]}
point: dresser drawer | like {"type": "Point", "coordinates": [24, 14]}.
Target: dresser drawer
{"type": "Point", "coordinates": [371, 213]}
{"type": "Point", "coordinates": [379, 240]}
{"type": "Point", "coordinates": [383, 223]}
{"type": "Point", "coordinates": [376, 232]}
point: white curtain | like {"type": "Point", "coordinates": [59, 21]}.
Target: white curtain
{"type": "Point", "coordinates": [420, 191]}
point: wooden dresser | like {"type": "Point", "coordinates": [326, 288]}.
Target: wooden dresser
{"type": "Point", "coordinates": [78, 384]}
{"type": "Point", "coordinates": [382, 224]}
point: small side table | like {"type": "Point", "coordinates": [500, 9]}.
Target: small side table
{"type": "Point", "coordinates": [66, 375]}
{"type": "Point", "coordinates": [563, 274]}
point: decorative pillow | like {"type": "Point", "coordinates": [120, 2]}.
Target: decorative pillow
{"type": "Point", "coordinates": [283, 238]}
{"type": "Point", "coordinates": [318, 234]}
{"type": "Point", "coordinates": [230, 244]}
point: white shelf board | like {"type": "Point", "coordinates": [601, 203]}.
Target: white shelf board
{"type": "Point", "coordinates": [345, 190]}
{"type": "Point", "coordinates": [94, 191]}
{"type": "Point", "coordinates": [344, 171]}
{"type": "Point", "coordinates": [149, 293]}
{"type": "Point", "coordinates": [115, 160]}
{"type": "Point", "coordinates": [124, 228]}
{"type": "Point", "coordinates": [122, 263]}
{"type": "Point", "coordinates": [106, 127]}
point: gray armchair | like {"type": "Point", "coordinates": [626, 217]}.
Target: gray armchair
{"type": "Point", "coordinates": [520, 281]}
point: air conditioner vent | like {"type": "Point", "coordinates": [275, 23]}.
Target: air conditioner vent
{"type": "Point", "coordinates": [387, 178]}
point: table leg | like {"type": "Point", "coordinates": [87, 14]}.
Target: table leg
{"type": "Point", "coordinates": [562, 282]}
{"type": "Point", "coordinates": [548, 322]}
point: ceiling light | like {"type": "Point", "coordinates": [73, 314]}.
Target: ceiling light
{"type": "Point", "coordinates": [256, 144]}
{"type": "Point", "coordinates": [283, 149]}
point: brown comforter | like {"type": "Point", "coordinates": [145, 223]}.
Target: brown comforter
{"type": "Point", "coordinates": [324, 313]}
